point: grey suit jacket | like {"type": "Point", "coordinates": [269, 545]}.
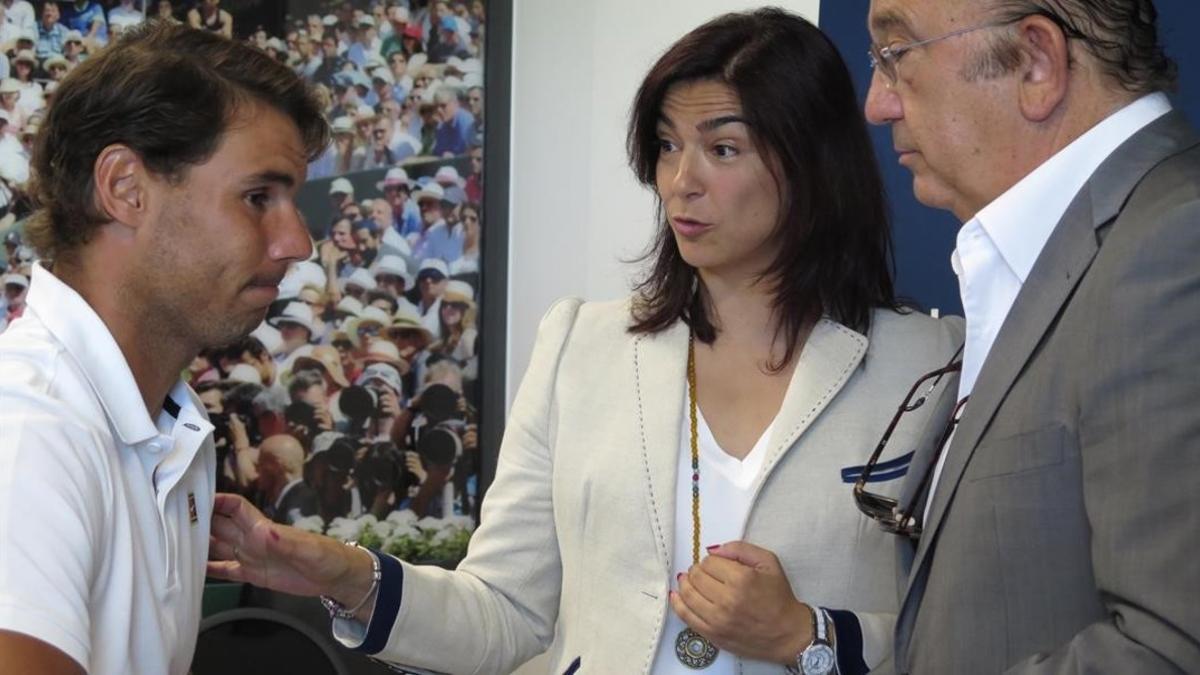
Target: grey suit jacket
{"type": "Point", "coordinates": [1064, 535]}
{"type": "Point", "coordinates": [574, 551]}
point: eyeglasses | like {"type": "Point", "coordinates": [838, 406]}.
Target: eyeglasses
{"type": "Point", "coordinates": [885, 59]}
{"type": "Point", "coordinates": [886, 510]}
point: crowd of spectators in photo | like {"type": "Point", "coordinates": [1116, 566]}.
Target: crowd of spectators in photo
{"type": "Point", "coordinates": [358, 395]}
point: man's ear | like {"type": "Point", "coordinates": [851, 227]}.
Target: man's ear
{"type": "Point", "coordinates": [1045, 68]}
{"type": "Point", "coordinates": [123, 185]}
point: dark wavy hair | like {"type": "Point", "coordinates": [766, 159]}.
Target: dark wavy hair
{"type": "Point", "coordinates": [834, 245]}
{"type": "Point", "coordinates": [1122, 35]}
{"type": "Point", "coordinates": [166, 91]}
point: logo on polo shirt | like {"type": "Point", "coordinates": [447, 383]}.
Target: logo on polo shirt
{"type": "Point", "coordinates": [192, 515]}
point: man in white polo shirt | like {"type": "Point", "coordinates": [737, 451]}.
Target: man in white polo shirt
{"type": "Point", "coordinates": [168, 220]}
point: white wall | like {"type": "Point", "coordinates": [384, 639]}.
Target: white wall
{"type": "Point", "coordinates": [576, 210]}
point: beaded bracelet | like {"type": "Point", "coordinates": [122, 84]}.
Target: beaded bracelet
{"type": "Point", "coordinates": [339, 611]}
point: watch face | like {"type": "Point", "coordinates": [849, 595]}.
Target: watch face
{"type": "Point", "coordinates": [817, 660]}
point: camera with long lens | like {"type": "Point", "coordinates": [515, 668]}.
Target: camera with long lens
{"type": "Point", "coordinates": [382, 469]}
{"type": "Point", "coordinates": [361, 403]}
{"type": "Point", "coordinates": [439, 439]}
{"type": "Point", "coordinates": [238, 400]}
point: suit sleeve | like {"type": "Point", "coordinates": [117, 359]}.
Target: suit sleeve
{"type": "Point", "coordinates": [498, 609]}
{"type": "Point", "coordinates": [1140, 447]}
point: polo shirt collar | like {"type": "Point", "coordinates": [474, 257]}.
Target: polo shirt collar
{"type": "Point", "coordinates": [86, 338]}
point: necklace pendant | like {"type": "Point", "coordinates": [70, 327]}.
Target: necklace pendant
{"type": "Point", "coordinates": [694, 650]}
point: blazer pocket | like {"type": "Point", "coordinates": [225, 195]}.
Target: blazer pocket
{"type": "Point", "coordinates": [574, 667]}
{"type": "Point", "coordinates": [1019, 453]}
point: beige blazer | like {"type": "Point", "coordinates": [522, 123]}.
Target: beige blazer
{"type": "Point", "coordinates": [574, 551]}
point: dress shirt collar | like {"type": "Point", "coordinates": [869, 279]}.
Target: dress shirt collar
{"type": "Point", "coordinates": [1020, 221]}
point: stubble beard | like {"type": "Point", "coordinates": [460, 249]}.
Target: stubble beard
{"type": "Point", "coordinates": [176, 292]}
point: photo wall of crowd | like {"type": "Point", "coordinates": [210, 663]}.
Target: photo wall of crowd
{"type": "Point", "coordinates": [352, 410]}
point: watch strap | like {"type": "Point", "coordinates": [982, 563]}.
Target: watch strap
{"type": "Point", "coordinates": [820, 639]}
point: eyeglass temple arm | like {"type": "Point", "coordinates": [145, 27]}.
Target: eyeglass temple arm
{"type": "Point", "coordinates": [904, 407]}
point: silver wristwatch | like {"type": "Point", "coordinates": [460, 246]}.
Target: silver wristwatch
{"type": "Point", "coordinates": [818, 658]}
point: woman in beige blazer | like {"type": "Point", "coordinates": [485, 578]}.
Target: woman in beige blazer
{"type": "Point", "coordinates": [768, 294]}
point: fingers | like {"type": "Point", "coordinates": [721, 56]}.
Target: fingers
{"type": "Point", "coordinates": [700, 592]}
{"type": "Point", "coordinates": [219, 549]}
{"type": "Point", "coordinates": [226, 504]}
{"type": "Point", "coordinates": [688, 615]}
{"type": "Point", "coordinates": [746, 554]}
{"type": "Point", "coordinates": [223, 536]}
{"type": "Point", "coordinates": [724, 570]}
{"type": "Point", "coordinates": [236, 508]}
{"type": "Point", "coordinates": [225, 569]}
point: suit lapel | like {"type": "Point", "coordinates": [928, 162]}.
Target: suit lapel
{"type": "Point", "coordinates": [1054, 276]}
{"type": "Point", "coordinates": [830, 356]}
{"type": "Point", "coordinates": [1062, 262]}
{"type": "Point", "coordinates": [1058, 270]}
{"type": "Point", "coordinates": [660, 372]}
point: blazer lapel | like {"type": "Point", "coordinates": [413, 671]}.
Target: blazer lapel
{"type": "Point", "coordinates": [660, 378]}
{"type": "Point", "coordinates": [830, 356]}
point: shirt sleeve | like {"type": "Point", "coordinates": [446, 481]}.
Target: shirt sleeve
{"type": "Point", "coordinates": [52, 506]}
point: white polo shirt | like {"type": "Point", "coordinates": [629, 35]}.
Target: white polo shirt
{"type": "Point", "coordinates": [104, 512]}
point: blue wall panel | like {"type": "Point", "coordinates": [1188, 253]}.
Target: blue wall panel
{"type": "Point", "coordinates": [924, 237]}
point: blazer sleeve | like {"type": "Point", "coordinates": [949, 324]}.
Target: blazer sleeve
{"type": "Point", "coordinates": [865, 639]}
{"type": "Point", "coordinates": [1140, 449]}
{"type": "Point", "coordinates": [498, 609]}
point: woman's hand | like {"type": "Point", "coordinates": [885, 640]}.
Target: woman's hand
{"type": "Point", "coordinates": [246, 546]}
{"type": "Point", "coordinates": [739, 598]}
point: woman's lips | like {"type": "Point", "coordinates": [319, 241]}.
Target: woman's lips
{"type": "Point", "coordinates": [686, 227]}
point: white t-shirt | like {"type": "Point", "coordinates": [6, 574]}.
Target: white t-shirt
{"type": "Point", "coordinates": [104, 513]}
{"type": "Point", "coordinates": [726, 491]}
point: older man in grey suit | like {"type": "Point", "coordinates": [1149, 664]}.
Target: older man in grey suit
{"type": "Point", "coordinates": [1060, 526]}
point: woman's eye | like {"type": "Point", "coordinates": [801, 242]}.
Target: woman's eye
{"type": "Point", "coordinates": [725, 150]}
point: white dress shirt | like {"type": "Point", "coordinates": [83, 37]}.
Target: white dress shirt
{"type": "Point", "coordinates": [998, 247]}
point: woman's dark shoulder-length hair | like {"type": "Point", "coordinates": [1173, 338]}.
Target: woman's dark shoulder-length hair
{"type": "Point", "coordinates": [798, 99]}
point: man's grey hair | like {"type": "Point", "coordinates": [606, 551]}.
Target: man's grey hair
{"type": "Point", "coordinates": [1121, 35]}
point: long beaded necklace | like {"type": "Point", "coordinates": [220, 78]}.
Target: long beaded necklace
{"type": "Point", "coordinates": [691, 648]}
